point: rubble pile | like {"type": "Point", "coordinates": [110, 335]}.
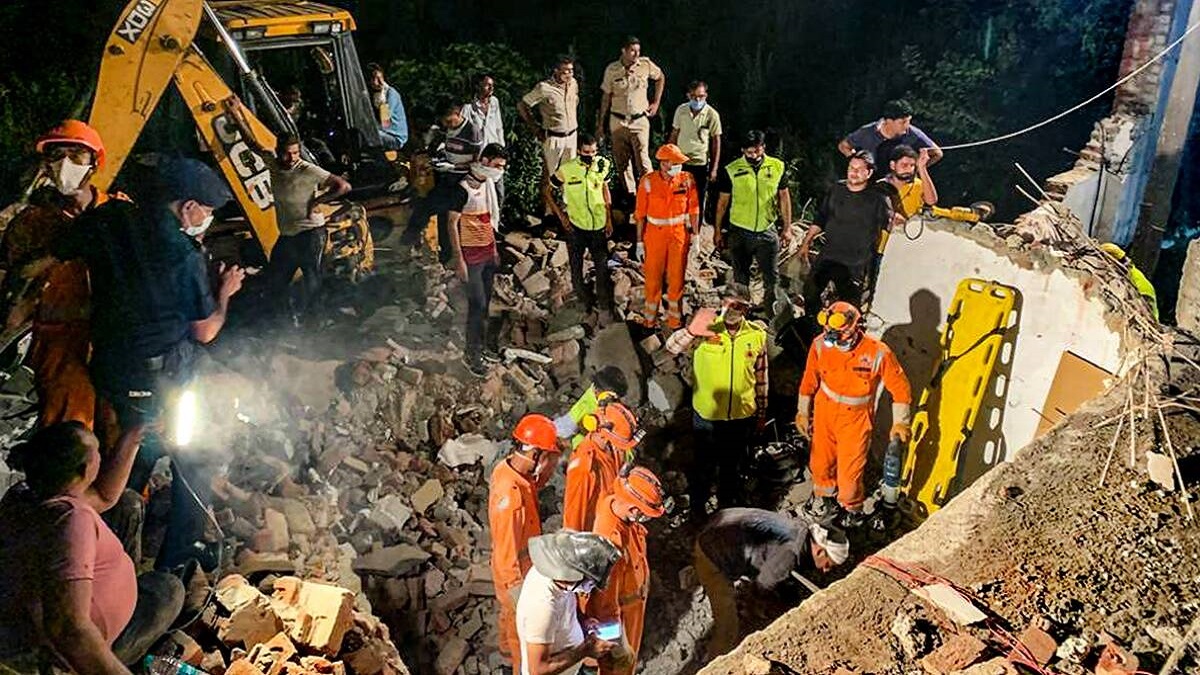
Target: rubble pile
{"type": "Point", "coordinates": [374, 478]}
{"type": "Point", "coordinates": [301, 628]}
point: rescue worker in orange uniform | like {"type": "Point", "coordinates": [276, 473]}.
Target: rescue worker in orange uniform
{"type": "Point", "coordinates": [666, 217]}
{"type": "Point", "coordinates": [55, 294]}
{"type": "Point", "coordinates": [844, 372]}
{"type": "Point", "coordinates": [513, 518]}
{"type": "Point", "coordinates": [594, 464]}
{"type": "Point", "coordinates": [637, 497]}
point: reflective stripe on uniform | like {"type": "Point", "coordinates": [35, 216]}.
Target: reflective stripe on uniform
{"type": "Point", "coordinates": [845, 400]}
{"type": "Point", "coordinates": [666, 222]}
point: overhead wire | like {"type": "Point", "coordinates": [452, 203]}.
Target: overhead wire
{"type": "Point", "coordinates": [1132, 74]}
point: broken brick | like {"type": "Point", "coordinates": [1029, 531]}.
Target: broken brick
{"type": "Point", "coordinates": [243, 666]}
{"type": "Point", "coordinates": [451, 655]}
{"type": "Point", "coordinates": [270, 656]}
{"type": "Point", "coordinates": [955, 654]}
{"type": "Point", "coordinates": [251, 623]}
{"type": "Point", "coordinates": [323, 613]}
{"type": "Point", "coordinates": [1116, 661]}
{"type": "Point", "coordinates": [429, 492]}
{"type": "Point", "coordinates": [450, 601]}
{"type": "Point", "coordinates": [1039, 644]}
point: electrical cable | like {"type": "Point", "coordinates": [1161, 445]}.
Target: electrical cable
{"type": "Point", "coordinates": [212, 588]}
{"type": "Point", "coordinates": [1134, 73]}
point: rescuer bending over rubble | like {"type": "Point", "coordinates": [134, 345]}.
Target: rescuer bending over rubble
{"type": "Point", "coordinates": [70, 592]}
{"type": "Point", "coordinates": [753, 552]}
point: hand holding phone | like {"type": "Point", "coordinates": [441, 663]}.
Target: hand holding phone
{"type": "Point", "coordinates": [610, 632]}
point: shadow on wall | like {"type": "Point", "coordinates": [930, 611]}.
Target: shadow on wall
{"type": "Point", "coordinates": [915, 345]}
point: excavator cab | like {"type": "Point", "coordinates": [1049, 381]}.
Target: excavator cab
{"type": "Point", "coordinates": [305, 52]}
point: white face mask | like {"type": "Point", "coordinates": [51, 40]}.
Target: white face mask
{"type": "Point", "coordinates": [675, 170]}
{"type": "Point", "coordinates": [484, 171]}
{"type": "Point", "coordinates": [68, 176]}
{"type": "Point", "coordinates": [197, 230]}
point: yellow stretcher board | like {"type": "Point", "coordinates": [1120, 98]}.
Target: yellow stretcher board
{"type": "Point", "coordinates": [139, 60]}
{"type": "Point", "coordinates": [977, 323]}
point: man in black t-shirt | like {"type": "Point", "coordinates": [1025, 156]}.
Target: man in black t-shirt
{"type": "Point", "coordinates": [757, 551]}
{"type": "Point", "coordinates": [851, 215]}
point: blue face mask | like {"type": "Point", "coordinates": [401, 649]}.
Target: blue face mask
{"type": "Point", "coordinates": [696, 106]}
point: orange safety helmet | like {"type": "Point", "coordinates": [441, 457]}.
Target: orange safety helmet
{"type": "Point", "coordinates": [842, 322]}
{"type": "Point", "coordinates": [641, 488]}
{"type": "Point", "coordinates": [617, 425]}
{"type": "Point", "coordinates": [537, 431]}
{"type": "Point", "coordinates": [78, 133]}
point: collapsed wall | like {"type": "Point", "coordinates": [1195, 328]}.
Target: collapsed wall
{"type": "Point", "coordinates": [1047, 551]}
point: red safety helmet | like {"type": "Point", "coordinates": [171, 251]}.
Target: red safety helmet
{"type": "Point", "coordinates": [537, 431]}
{"type": "Point", "coordinates": [639, 487]}
{"type": "Point", "coordinates": [617, 425]}
{"type": "Point", "coordinates": [78, 133]}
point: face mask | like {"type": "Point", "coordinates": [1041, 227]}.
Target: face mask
{"type": "Point", "coordinates": [675, 170]}
{"type": "Point", "coordinates": [68, 176]}
{"type": "Point", "coordinates": [755, 161]}
{"type": "Point", "coordinates": [906, 177]}
{"type": "Point", "coordinates": [733, 318]}
{"type": "Point", "coordinates": [485, 171]}
{"type": "Point", "coordinates": [697, 106]}
{"type": "Point", "coordinates": [587, 159]}
{"type": "Point", "coordinates": [197, 230]}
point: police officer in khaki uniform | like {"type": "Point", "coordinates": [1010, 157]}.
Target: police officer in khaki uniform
{"type": "Point", "coordinates": [625, 110]}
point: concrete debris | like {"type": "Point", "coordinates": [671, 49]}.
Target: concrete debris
{"type": "Point", "coordinates": [996, 666]}
{"type": "Point", "coordinates": [665, 392]}
{"type": "Point", "coordinates": [1039, 644]}
{"type": "Point", "coordinates": [468, 449]}
{"type": "Point", "coordinates": [1161, 470]}
{"type": "Point", "coordinates": [368, 478]}
{"type": "Point", "coordinates": [957, 608]}
{"type": "Point", "coordinates": [395, 561]}
{"type": "Point", "coordinates": [1116, 661]}
{"type": "Point", "coordinates": [429, 492]}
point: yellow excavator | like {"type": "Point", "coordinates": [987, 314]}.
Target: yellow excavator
{"type": "Point", "coordinates": [307, 46]}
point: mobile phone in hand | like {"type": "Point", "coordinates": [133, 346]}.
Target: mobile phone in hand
{"type": "Point", "coordinates": [610, 632]}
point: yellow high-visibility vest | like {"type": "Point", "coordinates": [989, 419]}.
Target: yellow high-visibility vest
{"type": "Point", "coordinates": [755, 205]}
{"type": "Point", "coordinates": [724, 373]}
{"type": "Point", "coordinates": [583, 192]}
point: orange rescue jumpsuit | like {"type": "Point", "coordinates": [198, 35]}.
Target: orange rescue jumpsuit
{"type": "Point", "coordinates": [58, 297]}
{"type": "Point", "coordinates": [591, 472]}
{"type": "Point", "coordinates": [624, 597]}
{"type": "Point", "coordinates": [513, 520]}
{"type": "Point", "coordinates": [843, 385]}
{"type": "Point", "coordinates": [667, 207]}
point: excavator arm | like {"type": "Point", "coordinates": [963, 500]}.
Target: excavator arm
{"type": "Point", "coordinates": [208, 99]}
{"type": "Point", "coordinates": [141, 57]}
{"type": "Point", "coordinates": [150, 47]}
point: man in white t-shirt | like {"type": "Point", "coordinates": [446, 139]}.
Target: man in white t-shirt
{"type": "Point", "coordinates": [553, 638]}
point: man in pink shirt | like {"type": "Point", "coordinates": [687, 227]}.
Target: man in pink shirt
{"type": "Point", "coordinates": [70, 590]}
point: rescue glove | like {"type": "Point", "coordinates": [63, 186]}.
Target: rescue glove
{"type": "Point", "coordinates": [640, 251]}
{"type": "Point", "coordinates": [901, 431]}
{"type": "Point", "coordinates": [802, 425]}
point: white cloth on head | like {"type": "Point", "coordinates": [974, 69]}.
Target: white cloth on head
{"type": "Point", "coordinates": [838, 551]}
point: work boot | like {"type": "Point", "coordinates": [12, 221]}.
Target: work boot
{"type": "Point", "coordinates": [475, 365]}
{"type": "Point", "coordinates": [851, 520]}
{"type": "Point", "coordinates": [821, 509]}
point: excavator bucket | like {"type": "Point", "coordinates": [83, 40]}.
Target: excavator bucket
{"type": "Point", "coordinates": [139, 59]}
{"type": "Point", "coordinates": [207, 97]}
